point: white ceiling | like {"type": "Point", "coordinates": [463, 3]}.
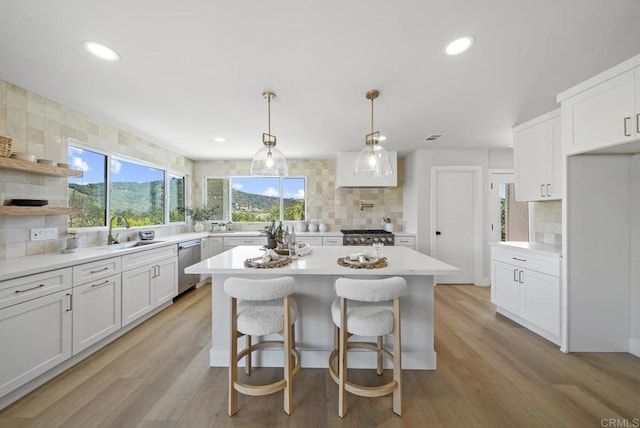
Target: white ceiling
{"type": "Point", "coordinates": [195, 69]}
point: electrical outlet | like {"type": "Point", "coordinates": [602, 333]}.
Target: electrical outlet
{"type": "Point", "coordinates": [44, 234]}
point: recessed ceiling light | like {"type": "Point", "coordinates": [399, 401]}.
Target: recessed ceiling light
{"type": "Point", "coordinates": [101, 51]}
{"type": "Point", "coordinates": [460, 45]}
{"type": "Point", "coordinates": [219, 139]}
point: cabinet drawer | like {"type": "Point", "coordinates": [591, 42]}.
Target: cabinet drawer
{"type": "Point", "coordinates": [311, 240]}
{"type": "Point", "coordinates": [96, 270]}
{"type": "Point", "coordinates": [29, 287]}
{"type": "Point", "coordinates": [247, 240]}
{"type": "Point", "coordinates": [332, 241]}
{"type": "Point", "coordinates": [142, 258]}
{"type": "Point", "coordinates": [405, 241]}
{"type": "Point", "coordinates": [549, 265]}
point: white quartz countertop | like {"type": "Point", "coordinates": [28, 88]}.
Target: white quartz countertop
{"type": "Point", "coordinates": [323, 261]}
{"type": "Point", "coordinates": [21, 266]}
{"type": "Point", "coordinates": [530, 246]}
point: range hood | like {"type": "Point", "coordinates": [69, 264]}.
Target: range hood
{"type": "Point", "coordinates": [346, 178]}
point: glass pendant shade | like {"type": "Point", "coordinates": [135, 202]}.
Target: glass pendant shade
{"type": "Point", "coordinates": [269, 161]}
{"type": "Point", "coordinates": [373, 161]}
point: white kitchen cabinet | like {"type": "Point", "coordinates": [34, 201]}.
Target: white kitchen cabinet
{"type": "Point", "coordinates": [314, 241]}
{"type": "Point", "coordinates": [345, 176]}
{"type": "Point", "coordinates": [525, 287]}
{"type": "Point", "coordinates": [165, 285]}
{"type": "Point", "coordinates": [234, 241]}
{"type": "Point", "coordinates": [602, 111]}
{"type": "Point", "coordinates": [211, 246]}
{"type": "Point", "coordinates": [537, 158]}
{"type": "Point", "coordinates": [331, 240]}
{"type": "Point", "coordinates": [215, 245]}
{"type": "Point", "coordinates": [149, 279]}
{"type": "Point", "coordinates": [405, 241]}
{"type": "Point", "coordinates": [35, 336]}
{"type": "Point", "coordinates": [96, 311]}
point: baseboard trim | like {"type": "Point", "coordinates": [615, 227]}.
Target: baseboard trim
{"type": "Point", "coordinates": [634, 346]}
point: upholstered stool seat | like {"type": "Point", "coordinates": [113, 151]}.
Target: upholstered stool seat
{"type": "Point", "coordinates": [260, 318]}
{"type": "Point", "coordinates": [367, 307]}
{"type": "Point", "coordinates": [261, 307]}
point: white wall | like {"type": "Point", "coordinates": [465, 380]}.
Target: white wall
{"type": "Point", "coordinates": [501, 159]}
{"type": "Point", "coordinates": [417, 194]}
{"type": "Point", "coordinates": [634, 300]}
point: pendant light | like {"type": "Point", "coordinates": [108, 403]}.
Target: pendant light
{"type": "Point", "coordinates": [269, 161]}
{"type": "Point", "coordinates": [372, 161]}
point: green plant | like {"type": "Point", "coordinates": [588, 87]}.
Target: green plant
{"type": "Point", "coordinates": [272, 231]}
{"type": "Point", "coordinates": [198, 214]}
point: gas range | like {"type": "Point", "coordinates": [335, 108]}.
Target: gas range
{"type": "Point", "coordinates": [366, 236]}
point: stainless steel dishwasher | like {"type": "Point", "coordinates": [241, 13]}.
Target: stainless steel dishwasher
{"type": "Point", "coordinates": [188, 254]}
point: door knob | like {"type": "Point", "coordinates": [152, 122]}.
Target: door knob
{"type": "Point", "coordinates": [438, 233]}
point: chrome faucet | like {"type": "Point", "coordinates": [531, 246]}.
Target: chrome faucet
{"type": "Point", "coordinates": [110, 239]}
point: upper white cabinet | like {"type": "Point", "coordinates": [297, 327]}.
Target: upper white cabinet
{"type": "Point", "coordinates": [345, 177]}
{"type": "Point", "coordinates": [602, 111]}
{"type": "Point", "coordinates": [537, 151]}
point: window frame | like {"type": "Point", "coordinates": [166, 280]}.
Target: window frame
{"type": "Point", "coordinates": [109, 156]}
{"type": "Point", "coordinates": [280, 192]}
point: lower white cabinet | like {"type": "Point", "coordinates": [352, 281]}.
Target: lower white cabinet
{"type": "Point", "coordinates": [405, 241]}
{"type": "Point", "coordinates": [96, 311]}
{"type": "Point", "coordinates": [234, 241]}
{"type": "Point", "coordinates": [35, 336]}
{"type": "Point", "coordinates": [165, 285]}
{"type": "Point", "coordinates": [148, 286]}
{"type": "Point", "coordinates": [525, 287]}
{"type": "Point", "coordinates": [332, 240]}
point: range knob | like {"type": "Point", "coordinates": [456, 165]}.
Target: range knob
{"type": "Point", "coordinates": [376, 239]}
{"type": "Point", "coordinates": [363, 239]}
{"type": "Point", "coordinates": [348, 239]}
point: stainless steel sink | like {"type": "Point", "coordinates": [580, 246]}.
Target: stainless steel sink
{"type": "Point", "coordinates": [126, 245]}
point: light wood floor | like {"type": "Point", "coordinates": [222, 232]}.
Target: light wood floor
{"type": "Point", "coordinates": [491, 373]}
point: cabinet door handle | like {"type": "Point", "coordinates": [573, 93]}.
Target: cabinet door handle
{"type": "Point", "coordinates": [520, 277]}
{"type": "Point", "coordinates": [519, 259]}
{"type": "Point", "coordinates": [99, 270]}
{"type": "Point", "coordinates": [542, 190]}
{"type": "Point", "coordinates": [29, 289]}
{"type": "Point", "coordinates": [100, 284]}
{"type": "Point", "coordinates": [626, 133]}
{"type": "Point", "coordinates": [638, 123]}
{"type": "Point", "coordinates": [70, 302]}
{"type": "Point", "coordinates": [548, 191]}
{"type": "Point", "coordinates": [158, 274]}
{"type": "Point", "coordinates": [515, 275]}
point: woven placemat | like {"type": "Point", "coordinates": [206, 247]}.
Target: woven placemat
{"type": "Point", "coordinates": [257, 263]}
{"type": "Point", "coordinates": [380, 263]}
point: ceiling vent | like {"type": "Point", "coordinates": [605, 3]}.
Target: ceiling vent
{"type": "Point", "coordinates": [433, 137]}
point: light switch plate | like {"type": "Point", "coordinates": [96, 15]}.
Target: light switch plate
{"type": "Point", "coordinates": [44, 234]}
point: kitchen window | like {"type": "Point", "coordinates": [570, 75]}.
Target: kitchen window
{"type": "Point", "coordinates": [134, 190]}
{"type": "Point", "coordinates": [257, 199]}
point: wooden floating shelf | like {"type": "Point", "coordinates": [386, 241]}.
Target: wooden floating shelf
{"type": "Point", "coordinates": [37, 168]}
{"type": "Point", "coordinates": [32, 211]}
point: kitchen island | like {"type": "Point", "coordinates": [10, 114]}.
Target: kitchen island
{"type": "Point", "coordinates": [315, 275]}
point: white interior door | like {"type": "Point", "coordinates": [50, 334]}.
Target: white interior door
{"type": "Point", "coordinates": [456, 210]}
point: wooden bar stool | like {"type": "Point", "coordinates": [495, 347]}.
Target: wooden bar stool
{"type": "Point", "coordinates": [260, 307]}
{"type": "Point", "coordinates": [367, 307]}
